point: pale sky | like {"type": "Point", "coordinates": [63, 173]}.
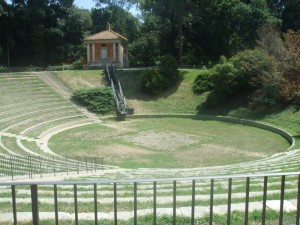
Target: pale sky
{"type": "Point", "coordinates": [86, 4]}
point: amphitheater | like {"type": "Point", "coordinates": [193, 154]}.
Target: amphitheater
{"type": "Point", "coordinates": [35, 106]}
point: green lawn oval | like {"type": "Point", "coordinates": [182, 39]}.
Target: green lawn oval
{"type": "Point", "coordinates": [168, 143]}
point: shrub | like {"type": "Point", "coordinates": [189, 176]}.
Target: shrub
{"type": "Point", "coordinates": [153, 82]}
{"type": "Point", "coordinates": [97, 100]}
{"type": "Point", "coordinates": [78, 64]}
{"type": "Point", "coordinates": [55, 68]}
{"type": "Point", "coordinates": [3, 69]}
{"type": "Point", "coordinates": [168, 68]}
{"type": "Point", "coordinates": [251, 65]}
{"type": "Point", "coordinates": [203, 82]}
{"type": "Point", "coordinates": [224, 78]}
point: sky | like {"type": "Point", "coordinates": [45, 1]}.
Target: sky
{"type": "Point", "coordinates": [86, 4]}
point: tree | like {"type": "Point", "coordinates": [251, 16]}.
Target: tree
{"type": "Point", "coordinates": [121, 21]}
{"type": "Point", "coordinates": [291, 15]}
{"type": "Point", "coordinates": [42, 32]}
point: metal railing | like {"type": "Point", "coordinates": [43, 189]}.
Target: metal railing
{"type": "Point", "coordinates": [114, 83]}
{"type": "Point", "coordinates": [154, 185]}
{"type": "Point", "coordinates": [12, 166]}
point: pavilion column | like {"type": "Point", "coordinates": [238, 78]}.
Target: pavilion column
{"type": "Point", "coordinates": [114, 52]}
{"type": "Point", "coordinates": [93, 53]}
{"type": "Point", "coordinates": [88, 53]}
{"type": "Point", "coordinates": [120, 54]}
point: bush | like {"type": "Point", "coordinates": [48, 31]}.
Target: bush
{"type": "Point", "coordinates": [55, 68]}
{"type": "Point", "coordinates": [3, 69]}
{"type": "Point", "coordinates": [251, 65]}
{"type": "Point", "coordinates": [168, 68]}
{"type": "Point", "coordinates": [153, 82]}
{"type": "Point", "coordinates": [97, 100]}
{"type": "Point", "coordinates": [78, 65]}
{"type": "Point", "coordinates": [203, 82]}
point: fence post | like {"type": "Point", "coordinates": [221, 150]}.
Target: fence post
{"type": "Point", "coordinates": [229, 201]}
{"type": "Point", "coordinates": [76, 204]}
{"type": "Point", "coordinates": [154, 203]}
{"type": "Point", "coordinates": [34, 204]}
{"type": "Point", "coordinates": [247, 201]}
{"type": "Point", "coordinates": [174, 202]}
{"type": "Point", "coordinates": [95, 204]}
{"type": "Point", "coordinates": [193, 202]}
{"type": "Point", "coordinates": [211, 208]}
{"type": "Point", "coordinates": [13, 195]}
{"type": "Point", "coordinates": [281, 200]}
{"type": "Point", "coordinates": [55, 204]}
{"type": "Point", "coordinates": [298, 203]}
{"type": "Point", "coordinates": [115, 205]}
{"type": "Point", "coordinates": [135, 203]}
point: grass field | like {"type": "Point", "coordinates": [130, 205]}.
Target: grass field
{"type": "Point", "coordinates": [169, 143]}
{"type": "Point", "coordinates": [81, 79]}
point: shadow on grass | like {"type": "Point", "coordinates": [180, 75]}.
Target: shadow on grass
{"type": "Point", "coordinates": [131, 86]}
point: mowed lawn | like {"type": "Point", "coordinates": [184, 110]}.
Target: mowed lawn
{"type": "Point", "coordinates": [168, 143]}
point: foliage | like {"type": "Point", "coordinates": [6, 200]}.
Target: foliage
{"type": "Point", "coordinates": [290, 15]}
{"type": "Point", "coordinates": [251, 65]}
{"type": "Point", "coordinates": [248, 71]}
{"type": "Point", "coordinates": [120, 20]}
{"type": "Point", "coordinates": [3, 69]}
{"type": "Point", "coordinates": [269, 39]}
{"type": "Point", "coordinates": [168, 69]}
{"type": "Point", "coordinates": [57, 28]}
{"type": "Point", "coordinates": [78, 64]}
{"type": "Point", "coordinates": [203, 82]}
{"type": "Point", "coordinates": [155, 81]}
{"type": "Point", "coordinates": [97, 100]}
{"type": "Point", "coordinates": [42, 32]}
{"type": "Point", "coordinates": [145, 50]}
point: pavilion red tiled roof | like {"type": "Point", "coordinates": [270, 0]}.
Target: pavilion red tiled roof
{"type": "Point", "coordinates": [105, 35]}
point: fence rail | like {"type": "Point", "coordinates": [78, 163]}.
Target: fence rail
{"type": "Point", "coordinates": [12, 166]}
{"type": "Point", "coordinates": [155, 183]}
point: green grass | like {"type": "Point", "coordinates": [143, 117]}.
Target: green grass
{"type": "Point", "coordinates": [82, 79]}
{"type": "Point", "coordinates": [179, 99]}
{"type": "Point", "coordinates": [237, 218]}
{"type": "Point", "coordinates": [211, 143]}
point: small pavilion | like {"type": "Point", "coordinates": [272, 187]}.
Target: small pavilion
{"type": "Point", "coordinates": [107, 47]}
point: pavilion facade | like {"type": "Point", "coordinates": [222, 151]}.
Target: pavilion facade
{"type": "Point", "coordinates": [107, 47]}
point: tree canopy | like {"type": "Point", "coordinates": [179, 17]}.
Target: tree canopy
{"type": "Point", "coordinates": [50, 32]}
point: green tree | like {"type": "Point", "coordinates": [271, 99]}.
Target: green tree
{"type": "Point", "coordinates": [291, 15]}
{"type": "Point", "coordinates": [121, 21]}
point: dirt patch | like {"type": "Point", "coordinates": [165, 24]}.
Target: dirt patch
{"type": "Point", "coordinates": [117, 152]}
{"type": "Point", "coordinates": [211, 154]}
{"type": "Point", "coordinates": [162, 140]}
